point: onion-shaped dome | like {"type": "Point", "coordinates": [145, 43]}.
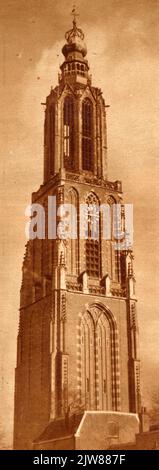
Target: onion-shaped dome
{"type": "Point", "coordinates": [75, 41]}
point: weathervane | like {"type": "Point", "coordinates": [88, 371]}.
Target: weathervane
{"type": "Point", "coordinates": [75, 31]}
{"type": "Point", "coordinates": [74, 14]}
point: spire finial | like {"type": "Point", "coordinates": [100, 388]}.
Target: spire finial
{"type": "Point", "coordinates": [74, 14]}
{"type": "Point", "coordinates": [74, 37]}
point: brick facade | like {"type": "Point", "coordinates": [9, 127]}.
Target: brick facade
{"type": "Point", "coordinates": [77, 346]}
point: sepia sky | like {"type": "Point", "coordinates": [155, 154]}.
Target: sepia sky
{"type": "Point", "coordinates": [122, 38]}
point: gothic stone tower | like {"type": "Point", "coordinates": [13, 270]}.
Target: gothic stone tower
{"type": "Point", "coordinates": [77, 346]}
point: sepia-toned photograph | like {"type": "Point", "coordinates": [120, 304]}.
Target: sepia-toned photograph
{"type": "Point", "coordinates": [79, 325]}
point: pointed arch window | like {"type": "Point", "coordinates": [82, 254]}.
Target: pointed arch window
{"type": "Point", "coordinates": [114, 251]}
{"type": "Point", "coordinates": [93, 261]}
{"type": "Point", "coordinates": [52, 138]}
{"type": "Point", "coordinates": [98, 371]}
{"type": "Point", "coordinates": [87, 135]}
{"type": "Point", "coordinates": [69, 132]}
{"type": "Point", "coordinates": [72, 243]}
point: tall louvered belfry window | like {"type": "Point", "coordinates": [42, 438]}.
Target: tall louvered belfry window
{"type": "Point", "coordinates": [87, 135]}
{"type": "Point", "coordinates": [52, 138]}
{"type": "Point", "coordinates": [93, 239]}
{"type": "Point", "coordinates": [114, 245]}
{"type": "Point", "coordinates": [69, 132]}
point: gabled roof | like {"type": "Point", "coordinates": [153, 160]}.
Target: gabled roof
{"type": "Point", "coordinates": [67, 87]}
{"type": "Point", "coordinates": [88, 89]}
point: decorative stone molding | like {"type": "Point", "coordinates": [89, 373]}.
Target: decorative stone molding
{"type": "Point", "coordinates": [90, 178]}
{"type": "Point", "coordinates": [75, 287]}
{"type": "Point", "coordinates": [118, 292]}
{"type": "Point", "coordinates": [97, 290]}
{"type": "Point", "coordinates": [60, 195]}
{"type": "Point", "coordinates": [63, 307]}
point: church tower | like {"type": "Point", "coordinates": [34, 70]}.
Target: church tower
{"type": "Point", "coordinates": [77, 346]}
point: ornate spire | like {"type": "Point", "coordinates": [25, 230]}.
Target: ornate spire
{"type": "Point", "coordinates": [72, 33]}
{"type": "Point", "coordinates": [74, 38]}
